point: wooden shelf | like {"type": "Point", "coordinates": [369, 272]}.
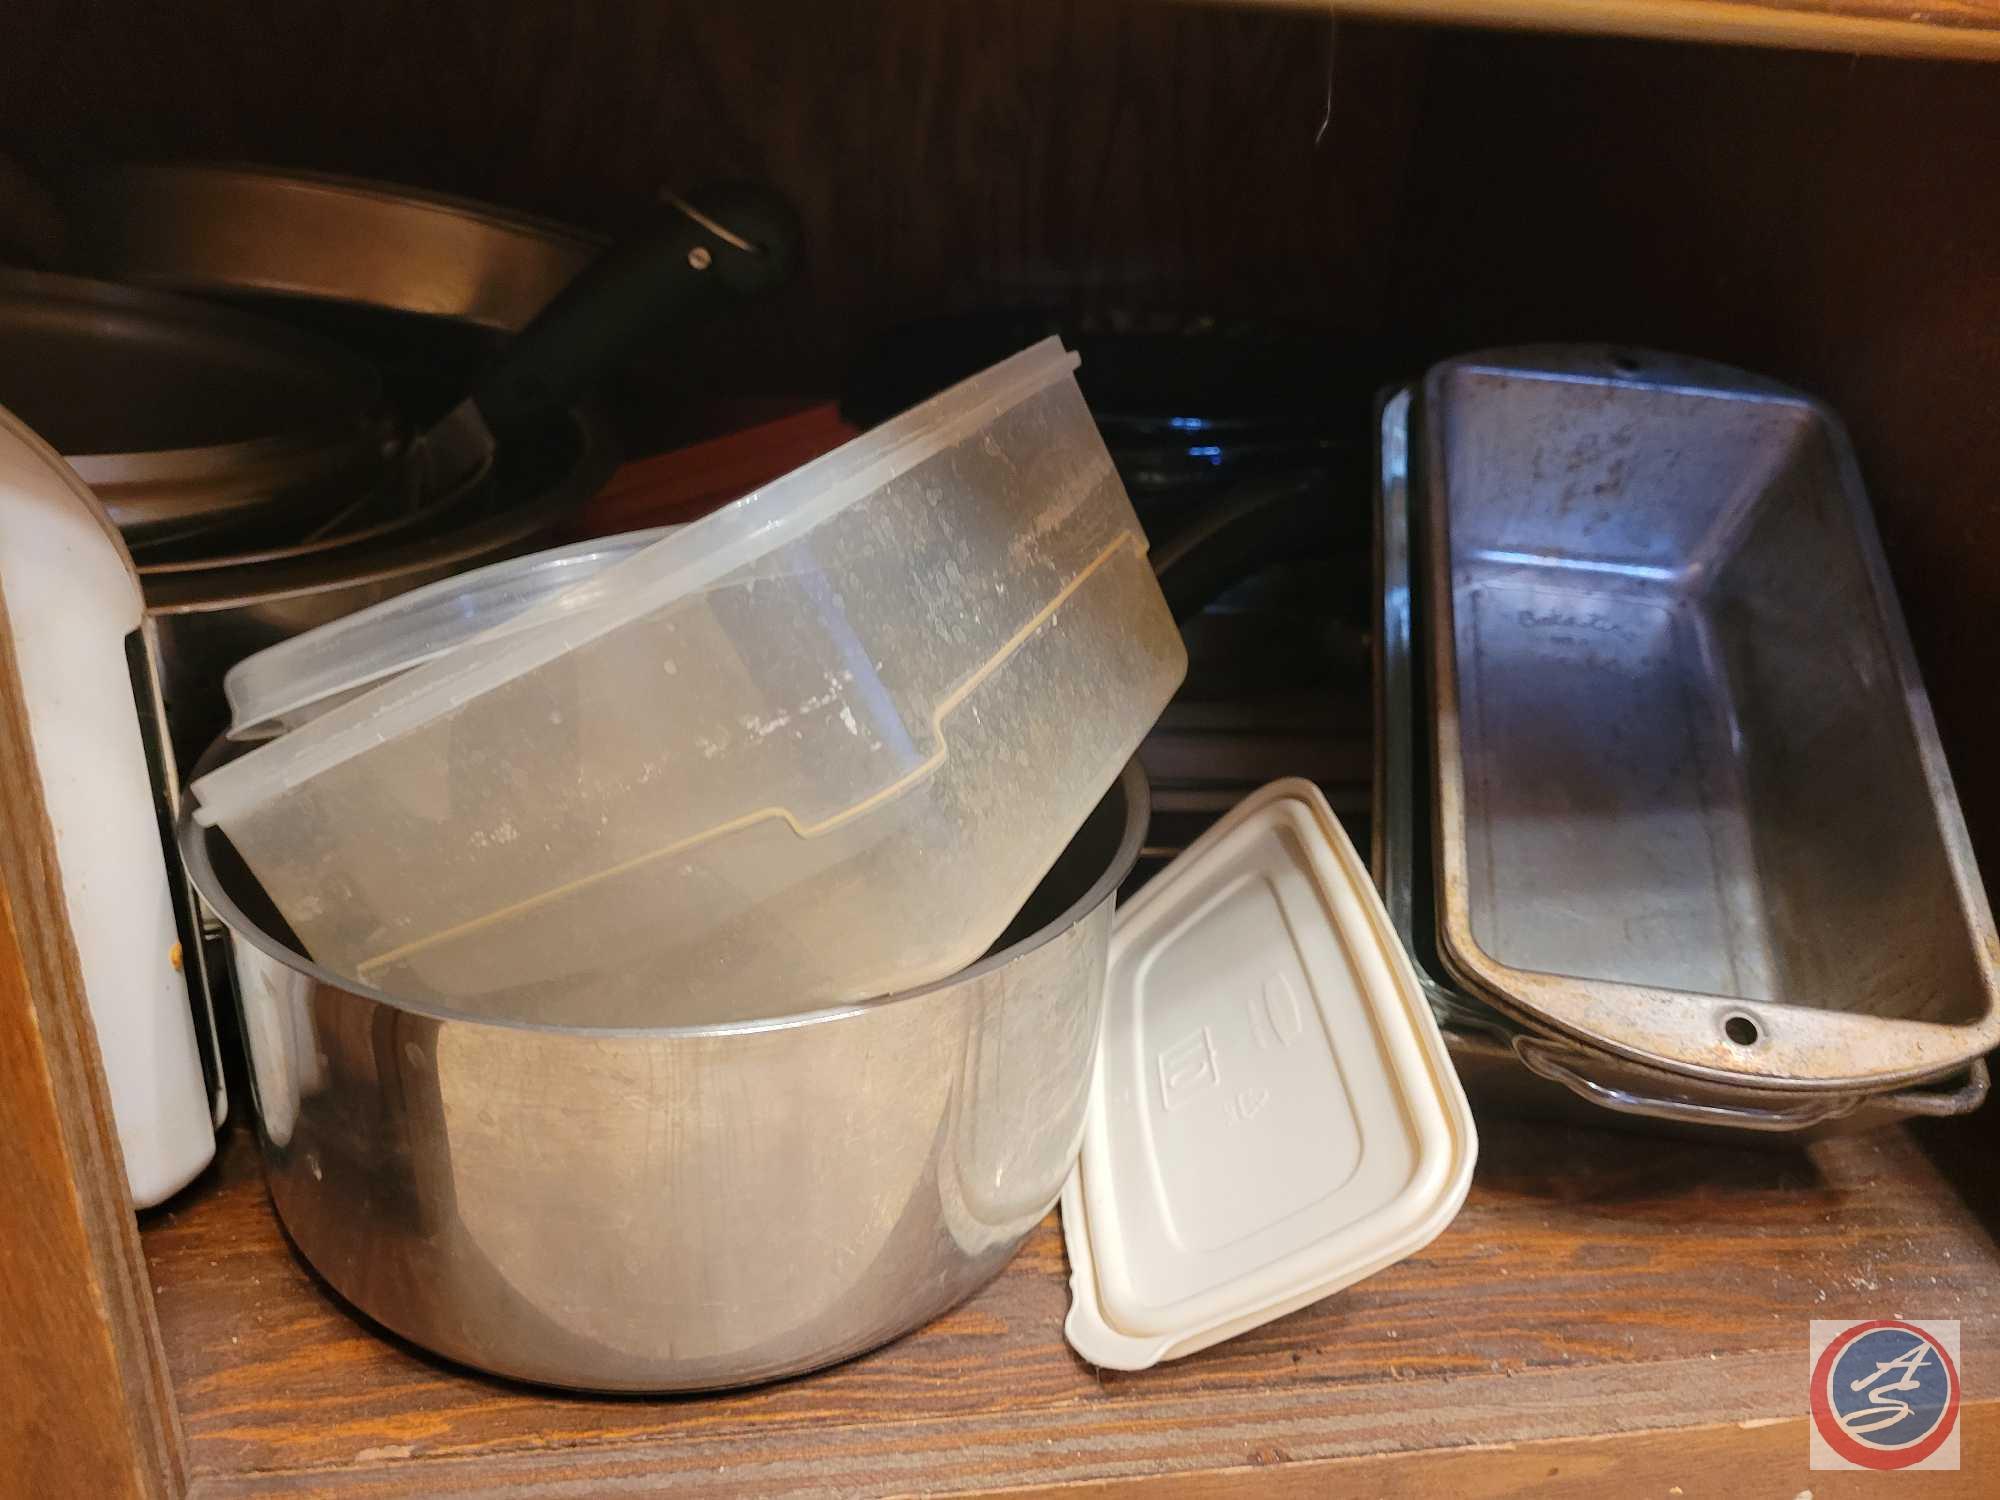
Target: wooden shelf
{"type": "Point", "coordinates": [1944, 28]}
{"type": "Point", "coordinates": [1607, 1311]}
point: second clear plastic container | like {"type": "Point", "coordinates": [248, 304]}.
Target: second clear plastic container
{"type": "Point", "coordinates": [816, 747]}
{"type": "Point", "coordinates": [295, 681]}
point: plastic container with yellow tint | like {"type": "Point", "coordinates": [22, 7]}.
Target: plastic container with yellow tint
{"type": "Point", "coordinates": [815, 747]}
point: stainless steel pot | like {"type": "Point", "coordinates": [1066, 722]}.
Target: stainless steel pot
{"type": "Point", "coordinates": [676, 1208]}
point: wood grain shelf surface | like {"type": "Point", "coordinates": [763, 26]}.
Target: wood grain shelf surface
{"type": "Point", "coordinates": [1605, 1306]}
{"type": "Point", "coordinates": [1939, 28]}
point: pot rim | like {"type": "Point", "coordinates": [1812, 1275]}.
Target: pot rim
{"type": "Point", "coordinates": [193, 841]}
{"type": "Point", "coordinates": [431, 549]}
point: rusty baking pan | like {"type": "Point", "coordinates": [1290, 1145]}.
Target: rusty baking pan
{"type": "Point", "coordinates": [1503, 1064]}
{"type": "Point", "coordinates": [1690, 804]}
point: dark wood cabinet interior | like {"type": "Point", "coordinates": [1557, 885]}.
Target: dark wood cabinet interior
{"type": "Point", "coordinates": [1403, 191]}
{"type": "Point", "coordinates": [1823, 218]}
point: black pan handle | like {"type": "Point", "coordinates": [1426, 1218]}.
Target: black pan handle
{"type": "Point", "coordinates": [725, 241]}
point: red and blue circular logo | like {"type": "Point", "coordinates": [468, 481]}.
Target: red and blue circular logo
{"type": "Point", "coordinates": [1884, 1394]}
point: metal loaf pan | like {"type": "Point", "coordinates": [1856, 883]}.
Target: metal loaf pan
{"type": "Point", "coordinates": [1505, 1064]}
{"type": "Point", "coordinates": [1690, 802]}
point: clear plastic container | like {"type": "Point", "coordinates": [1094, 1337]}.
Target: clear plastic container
{"type": "Point", "coordinates": [297, 680]}
{"type": "Point", "coordinates": [815, 747]}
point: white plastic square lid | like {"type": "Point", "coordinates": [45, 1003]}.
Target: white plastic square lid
{"type": "Point", "coordinates": [1274, 1116]}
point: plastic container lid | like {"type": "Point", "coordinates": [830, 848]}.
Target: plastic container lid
{"type": "Point", "coordinates": [299, 679]}
{"type": "Point", "coordinates": [1274, 1116]}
